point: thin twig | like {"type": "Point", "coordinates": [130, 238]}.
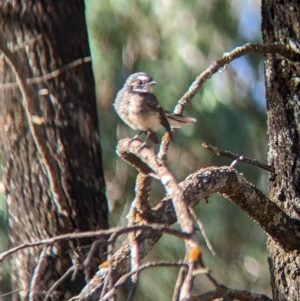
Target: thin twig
{"type": "Point", "coordinates": [179, 281]}
{"type": "Point", "coordinates": [30, 99]}
{"type": "Point", "coordinates": [38, 273]}
{"type": "Point", "coordinates": [211, 278]}
{"type": "Point", "coordinates": [218, 65]}
{"type": "Point", "coordinates": [48, 76]}
{"type": "Point", "coordinates": [225, 60]}
{"type": "Point", "coordinates": [201, 271]}
{"type": "Point", "coordinates": [132, 290]}
{"type": "Point", "coordinates": [108, 283]}
{"type": "Point", "coordinates": [13, 292]}
{"type": "Point", "coordinates": [72, 269]}
{"type": "Point", "coordinates": [91, 234]}
{"type": "Point", "coordinates": [90, 257]}
{"type": "Point", "coordinates": [145, 266]}
{"type": "Point", "coordinates": [236, 161]}
{"type": "Point", "coordinates": [200, 224]}
{"type": "Point", "coordinates": [231, 155]}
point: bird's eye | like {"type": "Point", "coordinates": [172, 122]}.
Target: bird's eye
{"type": "Point", "coordinates": [140, 82]}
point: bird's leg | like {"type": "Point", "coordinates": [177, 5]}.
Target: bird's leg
{"type": "Point", "coordinates": [137, 135]}
{"type": "Point", "coordinates": [144, 143]}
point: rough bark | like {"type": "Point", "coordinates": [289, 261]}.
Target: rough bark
{"type": "Point", "coordinates": [50, 146]}
{"type": "Point", "coordinates": [281, 25]}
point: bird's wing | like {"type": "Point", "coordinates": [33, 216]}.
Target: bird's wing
{"type": "Point", "coordinates": [154, 105]}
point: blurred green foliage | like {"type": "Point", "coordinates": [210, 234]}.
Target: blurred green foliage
{"type": "Point", "coordinates": [173, 41]}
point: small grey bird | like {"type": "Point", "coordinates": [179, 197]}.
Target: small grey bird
{"type": "Point", "coordinates": [138, 107]}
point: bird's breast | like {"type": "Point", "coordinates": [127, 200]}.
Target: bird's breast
{"type": "Point", "coordinates": [144, 121]}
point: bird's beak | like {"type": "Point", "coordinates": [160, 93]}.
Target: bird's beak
{"type": "Point", "coordinates": [152, 83]}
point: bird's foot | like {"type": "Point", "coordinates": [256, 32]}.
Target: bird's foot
{"type": "Point", "coordinates": [142, 146]}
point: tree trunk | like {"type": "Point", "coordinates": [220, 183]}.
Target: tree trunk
{"type": "Point", "coordinates": [281, 26]}
{"type": "Point", "coordinates": [50, 142]}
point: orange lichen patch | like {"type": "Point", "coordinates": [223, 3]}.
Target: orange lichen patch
{"type": "Point", "coordinates": [195, 254]}
{"type": "Point", "coordinates": [165, 137]}
{"type": "Point", "coordinates": [138, 218]}
{"type": "Point", "coordinates": [104, 264]}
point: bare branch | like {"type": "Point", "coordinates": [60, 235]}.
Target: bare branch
{"type": "Point", "coordinates": [225, 60]}
{"type": "Point", "coordinates": [38, 272]}
{"type": "Point", "coordinates": [92, 234]}
{"type": "Point", "coordinates": [13, 292]}
{"type": "Point", "coordinates": [224, 293]}
{"type": "Point", "coordinates": [197, 186]}
{"type": "Point", "coordinates": [57, 283]}
{"type": "Point", "coordinates": [141, 268]}
{"type": "Point", "coordinates": [30, 99]}
{"type": "Point", "coordinates": [179, 282]}
{"type": "Point", "coordinates": [171, 186]}
{"type": "Point", "coordinates": [219, 64]}
{"type": "Point", "coordinates": [142, 193]}
{"type": "Point", "coordinates": [129, 149]}
{"type": "Point", "coordinates": [90, 257]}
{"type": "Point", "coordinates": [48, 76]}
{"type": "Point", "coordinates": [231, 155]}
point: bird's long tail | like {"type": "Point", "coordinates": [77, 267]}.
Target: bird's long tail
{"type": "Point", "coordinates": [176, 120]}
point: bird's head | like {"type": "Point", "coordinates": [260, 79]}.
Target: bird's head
{"type": "Point", "coordinates": [140, 83]}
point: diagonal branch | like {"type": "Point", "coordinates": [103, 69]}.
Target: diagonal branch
{"type": "Point", "coordinates": [231, 155]}
{"type": "Point", "coordinates": [226, 59]}
{"type": "Point", "coordinates": [30, 99]}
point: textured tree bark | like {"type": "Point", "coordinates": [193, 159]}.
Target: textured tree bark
{"type": "Point", "coordinates": [281, 25]}
{"type": "Point", "coordinates": [50, 145]}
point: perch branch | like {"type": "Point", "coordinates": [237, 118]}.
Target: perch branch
{"type": "Point", "coordinates": [171, 186]}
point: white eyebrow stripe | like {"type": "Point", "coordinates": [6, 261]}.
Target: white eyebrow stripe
{"type": "Point", "coordinates": [143, 78]}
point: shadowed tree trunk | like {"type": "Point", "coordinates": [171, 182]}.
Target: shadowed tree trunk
{"type": "Point", "coordinates": [49, 140]}
{"type": "Point", "coordinates": [281, 25]}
